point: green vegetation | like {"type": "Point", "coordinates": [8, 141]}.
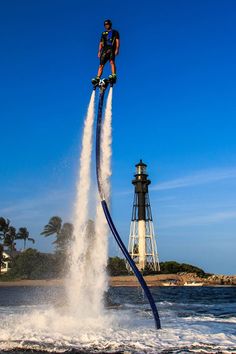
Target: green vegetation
{"type": "Point", "coordinates": [63, 232]}
{"type": "Point", "coordinates": [32, 264]}
{"type": "Point", "coordinates": [116, 266]}
{"type": "Point", "coordinates": [23, 234]}
{"type": "Point", "coordinates": [172, 267]}
{"type": "Point", "coordinates": [64, 237]}
{"type": "Point", "coordinates": [8, 235]}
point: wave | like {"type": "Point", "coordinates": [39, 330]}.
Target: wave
{"type": "Point", "coordinates": [215, 319]}
{"type": "Point", "coordinates": [45, 329]}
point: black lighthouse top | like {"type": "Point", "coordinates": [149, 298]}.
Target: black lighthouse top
{"type": "Point", "coordinates": [141, 177]}
{"type": "Point", "coordinates": [141, 168]}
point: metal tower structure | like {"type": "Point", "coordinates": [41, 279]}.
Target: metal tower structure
{"type": "Point", "coordinates": [142, 244]}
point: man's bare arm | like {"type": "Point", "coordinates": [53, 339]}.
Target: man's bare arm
{"type": "Point", "coordinates": [99, 49]}
{"type": "Point", "coordinates": [117, 46]}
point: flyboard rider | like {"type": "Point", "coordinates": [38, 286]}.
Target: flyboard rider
{"type": "Point", "coordinates": [108, 49]}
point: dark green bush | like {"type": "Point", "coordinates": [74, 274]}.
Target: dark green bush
{"type": "Point", "coordinates": [116, 266]}
{"type": "Point", "coordinates": [172, 267]}
{"type": "Point", "coordinates": [32, 264]}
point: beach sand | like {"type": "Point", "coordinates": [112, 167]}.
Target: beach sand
{"type": "Point", "coordinates": [151, 280]}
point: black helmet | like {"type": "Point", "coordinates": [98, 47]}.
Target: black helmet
{"type": "Point", "coordinates": [107, 22]}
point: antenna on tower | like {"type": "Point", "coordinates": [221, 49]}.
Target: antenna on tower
{"type": "Point", "coordinates": [142, 244]}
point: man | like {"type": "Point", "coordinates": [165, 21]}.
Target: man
{"type": "Point", "coordinates": [108, 49]}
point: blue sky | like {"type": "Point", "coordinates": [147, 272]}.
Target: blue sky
{"type": "Point", "coordinates": [174, 107]}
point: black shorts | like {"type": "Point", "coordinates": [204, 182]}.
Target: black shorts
{"type": "Point", "coordinates": [107, 54]}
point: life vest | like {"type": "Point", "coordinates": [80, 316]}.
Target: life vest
{"type": "Point", "coordinates": [108, 38]}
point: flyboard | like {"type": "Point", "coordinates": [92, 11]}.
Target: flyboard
{"type": "Point", "coordinates": [102, 85]}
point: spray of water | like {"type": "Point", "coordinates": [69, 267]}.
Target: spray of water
{"type": "Point", "coordinates": [83, 323]}
{"type": "Point", "coordinates": [100, 253]}
{"type": "Point", "coordinates": [77, 285]}
{"type": "Point", "coordinates": [106, 150]}
{"type": "Point", "coordinates": [88, 279]}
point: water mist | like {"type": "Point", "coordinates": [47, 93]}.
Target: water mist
{"type": "Point", "coordinates": [89, 251]}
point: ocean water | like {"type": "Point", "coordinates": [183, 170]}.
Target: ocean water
{"type": "Point", "coordinates": [194, 320]}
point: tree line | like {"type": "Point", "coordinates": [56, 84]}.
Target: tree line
{"type": "Point", "coordinates": [8, 237]}
{"type": "Point", "coordinates": [32, 264]}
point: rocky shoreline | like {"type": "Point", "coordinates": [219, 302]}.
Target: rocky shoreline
{"type": "Point", "coordinates": [182, 279]}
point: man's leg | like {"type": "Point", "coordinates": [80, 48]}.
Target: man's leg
{"type": "Point", "coordinates": [103, 60]}
{"type": "Point", "coordinates": [96, 79]}
{"type": "Point", "coordinates": [113, 67]}
{"type": "Point", "coordinates": [113, 77]}
{"type": "Point", "coordinates": [100, 70]}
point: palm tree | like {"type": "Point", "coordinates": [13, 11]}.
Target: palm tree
{"type": "Point", "coordinates": [53, 226]}
{"type": "Point", "coordinates": [64, 232]}
{"type": "Point", "coordinates": [7, 234]}
{"type": "Point", "coordinates": [64, 236]}
{"type": "Point", "coordinates": [1, 257]}
{"type": "Point", "coordinates": [9, 238]}
{"type": "Point", "coordinates": [4, 226]}
{"type": "Point", "coordinates": [23, 234]}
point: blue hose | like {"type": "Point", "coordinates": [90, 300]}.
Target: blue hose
{"type": "Point", "coordinates": [132, 264]}
{"type": "Point", "coordinates": [98, 142]}
{"type": "Point", "coordinates": [110, 221]}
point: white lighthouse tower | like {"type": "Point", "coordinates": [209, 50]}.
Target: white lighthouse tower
{"type": "Point", "coordinates": [142, 243]}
